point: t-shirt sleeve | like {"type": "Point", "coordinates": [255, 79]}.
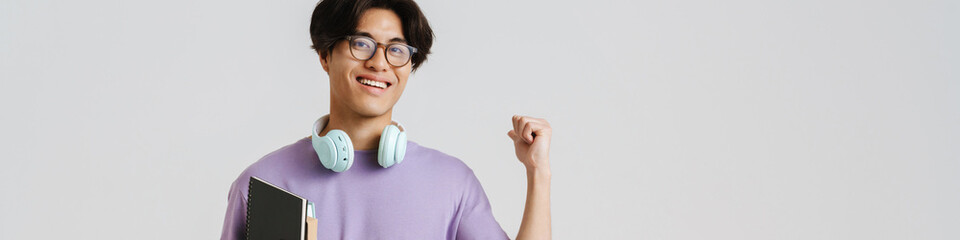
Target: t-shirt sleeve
{"type": "Point", "coordinates": [235, 221]}
{"type": "Point", "coordinates": [476, 216]}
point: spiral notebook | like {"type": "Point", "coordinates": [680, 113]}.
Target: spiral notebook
{"type": "Point", "coordinates": [274, 213]}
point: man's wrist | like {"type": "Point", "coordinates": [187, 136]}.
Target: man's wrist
{"type": "Point", "coordinates": [539, 174]}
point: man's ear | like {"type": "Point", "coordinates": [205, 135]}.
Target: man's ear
{"type": "Point", "coordinates": [323, 62]}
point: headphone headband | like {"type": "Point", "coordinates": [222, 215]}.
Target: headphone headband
{"type": "Point", "coordinates": [322, 122]}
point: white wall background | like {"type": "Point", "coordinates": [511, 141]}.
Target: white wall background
{"type": "Point", "coordinates": [688, 119]}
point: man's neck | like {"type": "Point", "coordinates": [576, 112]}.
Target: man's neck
{"type": "Point", "coordinates": [364, 131]}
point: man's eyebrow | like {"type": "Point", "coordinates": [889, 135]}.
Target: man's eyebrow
{"type": "Point", "coordinates": [365, 34]}
{"type": "Point", "coordinates": [396, 39]}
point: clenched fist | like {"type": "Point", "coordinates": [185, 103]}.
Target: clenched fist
{"type": "Point", "coordinates": [531, 138]}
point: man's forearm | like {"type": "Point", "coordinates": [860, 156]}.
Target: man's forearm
{"type": "Point", "coordinates": [536, 212]}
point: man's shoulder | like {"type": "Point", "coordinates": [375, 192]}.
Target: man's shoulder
{"type": "Point", "coordinates": [274, 165]}
{"type": "Point", "coordinates": [438, 161]}
{"type": "Point", "coordinates": [289, 156]}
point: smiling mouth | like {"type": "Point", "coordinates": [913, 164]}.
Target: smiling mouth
{"type": "Point", "coordinates": [372, 83]}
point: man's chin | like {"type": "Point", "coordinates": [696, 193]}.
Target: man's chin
{"type": "Point", "coordinates": [371, 111]}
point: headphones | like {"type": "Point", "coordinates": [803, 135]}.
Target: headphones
{"type": "Point", "coordinates": [335, 149]}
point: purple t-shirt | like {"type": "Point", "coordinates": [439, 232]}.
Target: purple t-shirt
{"type": "Point", "coordinates": [430, 195]}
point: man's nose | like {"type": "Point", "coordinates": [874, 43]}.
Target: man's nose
{"type": "Point", "coordinates": [379, 60]}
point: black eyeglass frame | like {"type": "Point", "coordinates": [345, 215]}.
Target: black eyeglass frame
{"type": "Point", "coordinates": [376, 46]}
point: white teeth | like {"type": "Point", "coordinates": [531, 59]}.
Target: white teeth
{"type": "Point", "coordinates": [373, 83]}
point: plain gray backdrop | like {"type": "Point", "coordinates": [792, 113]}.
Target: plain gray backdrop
{"type": "Point", "coordinates": [687, 119]}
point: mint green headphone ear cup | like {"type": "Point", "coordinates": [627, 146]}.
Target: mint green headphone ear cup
{"type": "Point", "coordinates": [344, 150]}
{"type": "Point", "coordinates": [401, 147]}
{"type": "Point", "coordinates": [325, 149]}
{"type": "Point", "coordinates": [388, 145]}
{"type": "Point", "coordinates": [380, 146]}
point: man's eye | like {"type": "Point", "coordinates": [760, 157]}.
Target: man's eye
{"type": "Point", "coordinates": [396, 50]}
{"type": "Point", "coordinates": [361, 45]}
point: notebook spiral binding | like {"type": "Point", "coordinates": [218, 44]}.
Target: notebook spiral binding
{"type": "Point", "coordinates": [249, 198]}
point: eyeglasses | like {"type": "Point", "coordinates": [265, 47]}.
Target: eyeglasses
{"type": "Point", "coordinates": [363, 48]}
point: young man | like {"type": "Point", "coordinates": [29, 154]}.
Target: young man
{"type": "Point", "coordinates": [369, 48]}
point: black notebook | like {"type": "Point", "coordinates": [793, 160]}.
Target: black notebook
{"type": "Point", "coordinates": [274, 213]}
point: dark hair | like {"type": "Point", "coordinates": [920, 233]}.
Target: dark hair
{"type": "Point", "coordinates": [334, 19]}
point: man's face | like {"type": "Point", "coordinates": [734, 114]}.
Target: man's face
{"type": "Point", "coordinates": [347, 72]}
